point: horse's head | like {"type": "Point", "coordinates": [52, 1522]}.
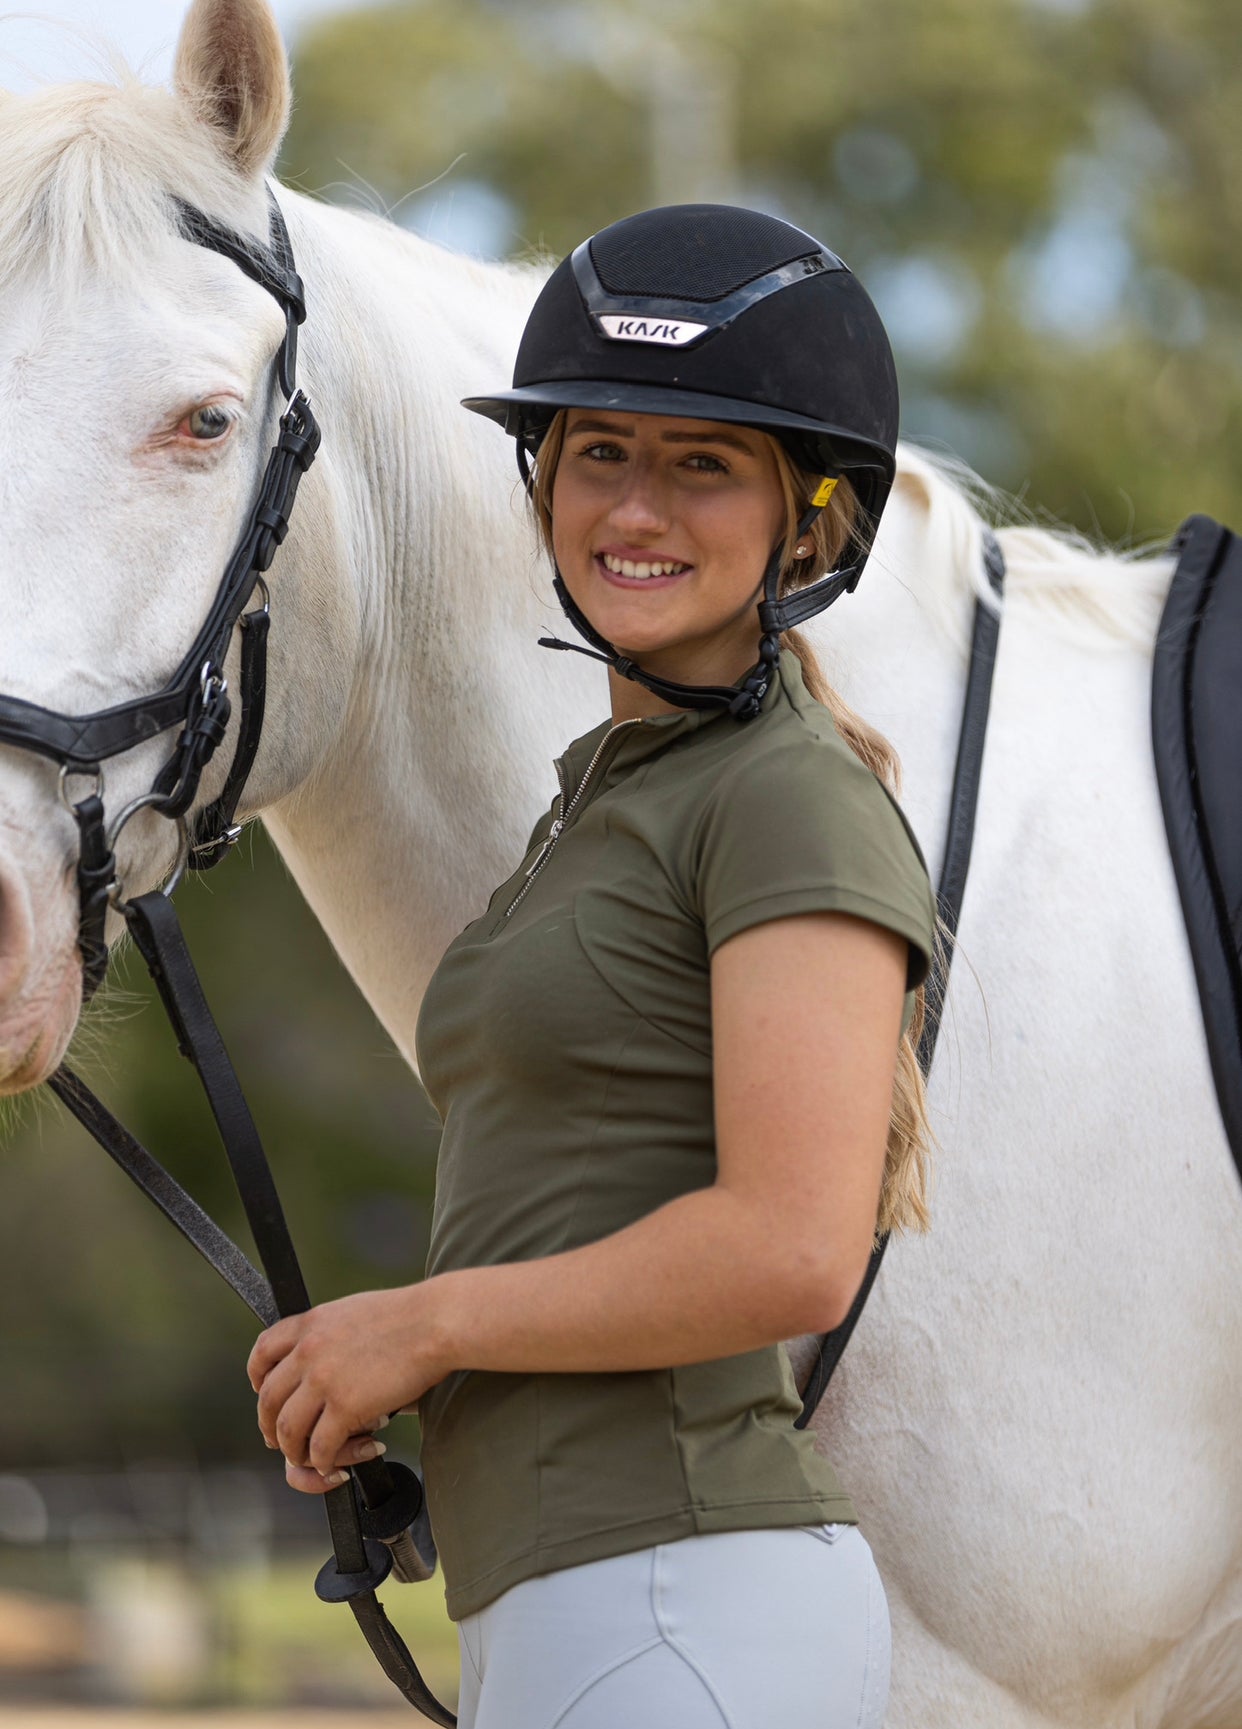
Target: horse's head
{"type": "Point", "coordinates": [139, 400]}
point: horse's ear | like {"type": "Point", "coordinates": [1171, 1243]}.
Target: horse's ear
{"type": "Point", "coordinates": [231, 69]}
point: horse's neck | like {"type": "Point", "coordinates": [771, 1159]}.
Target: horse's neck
{"type": "Point", "coordinates": [431, 776]}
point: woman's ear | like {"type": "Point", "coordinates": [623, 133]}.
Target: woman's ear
{"type": "Point", "coordinates": [232, 71]}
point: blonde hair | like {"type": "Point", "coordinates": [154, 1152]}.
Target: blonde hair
{"type": "Point", "coordinates": [903, 1194]}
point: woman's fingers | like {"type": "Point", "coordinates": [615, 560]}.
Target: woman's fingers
{"type": "Point", "coordinates": [270, 1347]}
{"type": "Point", "coordinates": [299, 1416]}
{"type": "Point", "coordinates": [358, 1449]}
{"type": "Point", "coordinates": [355, 1451]}
{"type": "Point", "coordinates": [330, 1434]}
{"type": "Point", "coordinates": [278, 1387]}
{"type": "Point", "coordinates": [308, 1481]}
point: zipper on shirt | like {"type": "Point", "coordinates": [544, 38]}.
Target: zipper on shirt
{"type": "Point", "coordinates": [565, 811]}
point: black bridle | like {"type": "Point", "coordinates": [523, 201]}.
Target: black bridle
{"type": "Point", "coordinates": [196, 697]}
{"type": "Point", "coordinates": [377, 1519]}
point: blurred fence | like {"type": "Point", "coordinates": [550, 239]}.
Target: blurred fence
{"type": "Point", "coordinates": [163, 1586]}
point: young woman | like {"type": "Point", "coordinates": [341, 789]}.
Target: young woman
{"type": "Point", "coordinates": [674, 1057]}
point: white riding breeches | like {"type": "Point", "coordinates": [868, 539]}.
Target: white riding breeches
{"type": "Point", "coordinates": [735, 1630]}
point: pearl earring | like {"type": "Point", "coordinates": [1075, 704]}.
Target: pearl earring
{"type": "Point", "coordinates": [800, 551]}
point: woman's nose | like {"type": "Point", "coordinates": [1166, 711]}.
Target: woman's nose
{"type": "Point", "coordinates": [642, 506]}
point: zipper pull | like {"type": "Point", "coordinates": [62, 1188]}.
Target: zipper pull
{"type": "Point", "coordinates": [546, 848]}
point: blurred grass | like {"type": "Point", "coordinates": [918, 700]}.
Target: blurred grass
{"type": "Point", "coordinates": [245, 1636]}
{"type": "Point", "coordinates": [278, 1642]}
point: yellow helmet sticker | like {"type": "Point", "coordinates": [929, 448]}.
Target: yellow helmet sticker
{"type": "Point", "coordinates": [825, 490]}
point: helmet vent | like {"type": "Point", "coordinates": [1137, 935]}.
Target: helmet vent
{"type": "Point", "coordinates": [674, 254]}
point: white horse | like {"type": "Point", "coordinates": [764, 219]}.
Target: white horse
{"type": "Point", "coordinates": [1038, 1414]}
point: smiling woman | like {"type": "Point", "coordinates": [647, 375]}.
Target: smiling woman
{"type": "Point", "coordinates": [676, 1044]}
{"type": "Point", "coordinates": [722, 469]}
{"type": "Point", "coordinates": [658, 529]}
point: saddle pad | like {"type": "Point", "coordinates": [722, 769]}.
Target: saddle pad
{"type": "Point", "coordinates": [1196, 711]}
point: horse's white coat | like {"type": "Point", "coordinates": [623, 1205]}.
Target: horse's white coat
{"type": "Point", "coordinates": [1038, 1414]}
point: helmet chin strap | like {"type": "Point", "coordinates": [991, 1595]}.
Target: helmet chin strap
{"type": "Point", "coordinates": [744, 699]}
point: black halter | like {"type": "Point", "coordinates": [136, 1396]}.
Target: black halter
{"type": "Point", "coordinates": [195, 698]}
{"type": "Point", "coordinates": [377, 1519]}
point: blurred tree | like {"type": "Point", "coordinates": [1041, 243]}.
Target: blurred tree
{"type": "Point", "coordinates": [121, 1342]}
{"type": "Point", "coordinates": [1036, 191]}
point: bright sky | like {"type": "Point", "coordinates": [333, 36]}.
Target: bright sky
{"type": "Point", "coordinates": [144, 30]}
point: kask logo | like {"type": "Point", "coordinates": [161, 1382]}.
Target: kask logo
{"type": "Point", "coordinates": [672, 332]}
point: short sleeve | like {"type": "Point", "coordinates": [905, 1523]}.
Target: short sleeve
{"type": "Point", "coordinates": [806, 827]}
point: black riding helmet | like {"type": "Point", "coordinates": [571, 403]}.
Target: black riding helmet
{"type": "Point", "coordinates": [714, 313]}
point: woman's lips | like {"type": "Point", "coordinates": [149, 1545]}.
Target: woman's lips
{"type": "Point", "coordinates": [620, 581]}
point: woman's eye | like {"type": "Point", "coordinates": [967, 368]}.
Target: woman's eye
{"type": "Point", "coordinates": [601, 452]}
{"type": "Point", "coordinates": [208, 422]}
{"type": "Point", "coordinates": [706, 463]}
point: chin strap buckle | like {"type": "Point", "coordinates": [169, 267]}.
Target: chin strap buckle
{"type": "Point", "coordinates": [755, 686]}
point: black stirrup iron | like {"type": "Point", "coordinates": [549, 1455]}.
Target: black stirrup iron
{"type": "Point", "coordinates": [378, 1519]}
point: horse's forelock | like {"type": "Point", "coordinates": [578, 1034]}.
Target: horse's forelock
{"type": "Point", "coordinates": [89, 170]}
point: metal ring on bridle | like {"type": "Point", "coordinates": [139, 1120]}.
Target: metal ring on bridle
{"type": "Point", "coordinates": [66, 769]}
{"type": "Point", "coordinates": [116, 894]}
{"type": "Point", "coordinates": [267, 596]}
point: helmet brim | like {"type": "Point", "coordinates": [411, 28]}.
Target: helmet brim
{"type": "Point", "coordinates": [818, 447]}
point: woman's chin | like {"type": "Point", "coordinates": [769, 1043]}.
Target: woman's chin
{"type": "Point", "coordinates": [653, 635]}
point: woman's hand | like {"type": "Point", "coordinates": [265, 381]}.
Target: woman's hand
{"type": "Point", "coordinates": [327, 1377]}
{"type": "Point", "coordinates": [356, 1451]}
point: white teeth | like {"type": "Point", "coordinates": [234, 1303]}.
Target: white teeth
{"type": "Point", "coordinates": [640, 570]}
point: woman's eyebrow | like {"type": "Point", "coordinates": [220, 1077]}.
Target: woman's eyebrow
{"type": "Point", "coordinates": [729, 438]}
{"type": "Point", "coordinates": [600, 426]}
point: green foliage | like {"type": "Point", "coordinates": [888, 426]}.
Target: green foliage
{"type": "Point", "coordinates": [1061, 177]}
{"type": "Point", "coordinates": [121, 1343]}
{"type": "Point", "coordinates": [394, 95]}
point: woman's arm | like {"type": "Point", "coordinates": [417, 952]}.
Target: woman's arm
{"type": "Point", "coordinates": [806, 1014]}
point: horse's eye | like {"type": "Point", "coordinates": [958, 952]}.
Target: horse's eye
{"type": "Point", "coordinates": [209, 422]}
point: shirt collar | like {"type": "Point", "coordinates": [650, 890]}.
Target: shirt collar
{"type": "Point", "coordinates": [655, 733]}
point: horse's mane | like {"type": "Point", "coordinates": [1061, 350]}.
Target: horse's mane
{"type": "Point", "coordinates": [88, 172]}
{"type": "Point", "coordinates": [1089, 591]}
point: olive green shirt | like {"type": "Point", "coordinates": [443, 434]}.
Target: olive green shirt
{"type": "Point", "coordinates": [566, 1042]}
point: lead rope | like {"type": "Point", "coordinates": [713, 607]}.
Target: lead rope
{"type": "Point", "coordinates": [377, 1520]}
{"type": "Point", "coordinates": [963, 805]}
